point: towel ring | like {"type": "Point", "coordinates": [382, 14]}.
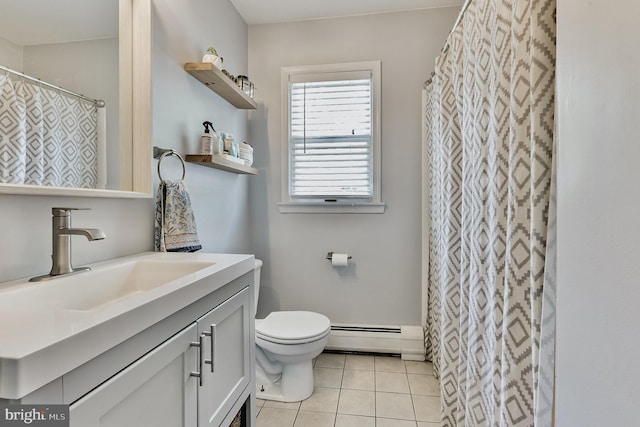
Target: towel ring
{"type": "Point", "coordinates": [164, 154]}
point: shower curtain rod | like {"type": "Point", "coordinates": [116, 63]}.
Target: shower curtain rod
{"type": "Point", "coordinates": [98, 102]}
{"type": "Point", "coordinates": [464, 8]}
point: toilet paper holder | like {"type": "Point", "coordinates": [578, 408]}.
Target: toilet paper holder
{"type": "Point", "coordinates": [330, 256]}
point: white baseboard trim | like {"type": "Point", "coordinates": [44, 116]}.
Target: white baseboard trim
{"type": "Point", "coordinates": [405, 340]}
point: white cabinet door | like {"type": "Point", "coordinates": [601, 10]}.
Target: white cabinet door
{"type": "Point", "coordinates": [157, 390]}
{"type": "Point", "coordinates": [226, 371]}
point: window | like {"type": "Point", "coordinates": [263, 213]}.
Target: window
{"type": "Point", "coordinates": [332, 138]}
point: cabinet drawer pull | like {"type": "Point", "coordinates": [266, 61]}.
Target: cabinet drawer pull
{"type": "Point", "coordinates": [213, 347]}
{"type": "Point", "coordinates": [211, 333]}
{"type": "Point", "coordinates": [200, 345]}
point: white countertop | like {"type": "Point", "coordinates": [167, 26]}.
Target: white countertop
{"type": "Point", "coordinates": [40, 341]}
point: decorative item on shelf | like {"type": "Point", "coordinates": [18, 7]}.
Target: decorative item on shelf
{"type": "Point", "coordinates": [230, 145]}
{"type": "Point", "coordinates": [220, 82]}
{"type": "Point", "coordinates": [230, 158]}
{"type": "Point", "coordinates": [246, 153]}
{"type": "Point", "coordinates": [235, 149]}
{"type": "Point", "coordinates": [231, 76]}
{"type": "Point", "coordinates": [249, 90]}
{"type": "Point", "coordinates": [212, 57]}
{"type": "Point", "coordinates": [208, 141]}
{"type": "Point", "coordinates": [245, 84]}
{"type": "Point", "coordinates": [242, 82]}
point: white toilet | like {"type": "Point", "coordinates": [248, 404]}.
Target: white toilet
{"type": "Point", "coordinates": [286, 343]}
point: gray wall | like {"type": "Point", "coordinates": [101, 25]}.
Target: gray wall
{"type": "Point", "coordinates": [382, 285]}
{"type": "Point", "coordinates": [10, 54]}
{"type": "Point", "coordinates": [598, 211]}
{"type": "Point", "coordinates": [182, 33]}
{"type": "Point", "coordinates": [25, 246]}
{"type": "Point", "coordinates": [180, 104]}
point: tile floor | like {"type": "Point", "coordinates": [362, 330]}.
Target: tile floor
{"type": "Point", "coordinates": [361, 391]}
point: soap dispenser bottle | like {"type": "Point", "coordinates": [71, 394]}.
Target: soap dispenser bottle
{"type": "Point", "coordinates": [206, 139]}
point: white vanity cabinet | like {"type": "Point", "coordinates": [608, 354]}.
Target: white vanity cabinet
{"type": "Point", "coordinates": [226, 371]}
{"type": "Point", "coordinates": [157, 390]}
{"type": "Point", "coordinates": [195, 378]}
{"type": "Point", "coordinates": [191, 367]}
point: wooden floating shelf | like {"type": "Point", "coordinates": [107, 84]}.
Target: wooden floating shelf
{"type": "Point", "coordinates": [217, 162]}
{"type": "Point", "coordinates": [209, 75]}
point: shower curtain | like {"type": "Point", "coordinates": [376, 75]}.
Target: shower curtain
{"type": "Point", "coordinates": [489, 142]}
{"type": "Point", "coordinates": [46, 137]}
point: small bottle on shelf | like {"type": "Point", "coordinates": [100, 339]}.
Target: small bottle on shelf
{"type": "Point", "coordinates": [206, 140]}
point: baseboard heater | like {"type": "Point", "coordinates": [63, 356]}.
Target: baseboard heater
{"type": "Point", "coordinates": [405, 340]}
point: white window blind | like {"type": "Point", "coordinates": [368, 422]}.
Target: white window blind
{"type": "Point", "coordinates": [330, 137]}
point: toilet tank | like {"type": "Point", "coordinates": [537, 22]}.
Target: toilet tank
{"type": "Point", "coordinates": [256, 279]}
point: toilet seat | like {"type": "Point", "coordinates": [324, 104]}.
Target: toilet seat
{"type": "Point", "coordinates": [293, 327]}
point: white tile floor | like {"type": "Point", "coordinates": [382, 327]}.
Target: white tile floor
{"type": "Point", "coordinates": [361, 391]}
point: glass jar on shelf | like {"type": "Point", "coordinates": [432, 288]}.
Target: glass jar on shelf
{"type": "Point", "coordinates": [245, 84]}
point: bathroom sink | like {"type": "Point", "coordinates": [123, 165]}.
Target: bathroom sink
{"type": "Point", "coordinates": [124, 281]}
{"type": "Point", "coordinates": [101, 286]}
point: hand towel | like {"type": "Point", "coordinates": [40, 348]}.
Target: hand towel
{"type": "Point", "coordinates": [175, 224]}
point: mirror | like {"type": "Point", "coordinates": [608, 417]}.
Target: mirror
{"type": "Point", "coordinates": [97, 48]}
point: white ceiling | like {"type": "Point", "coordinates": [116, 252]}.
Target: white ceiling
{"type": "Point", "coordinates": [272, 11]}
{"type": "Point", "coordinates": [32, 22]}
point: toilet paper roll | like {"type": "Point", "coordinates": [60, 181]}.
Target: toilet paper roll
{"type": "Point", "coordinates": [340, 260]}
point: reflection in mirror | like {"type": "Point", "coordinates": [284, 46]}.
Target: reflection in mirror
{"type": "Point", "coordinates": [72, 44]}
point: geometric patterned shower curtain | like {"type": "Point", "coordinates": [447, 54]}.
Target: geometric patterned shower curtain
{"type": "Point", "coordinates": [46, 137]}
{"type": "Point", "coordinates": [489, 118]}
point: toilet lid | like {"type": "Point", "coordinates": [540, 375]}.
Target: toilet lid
{"type": "Point", "coordinates": [292, 325]}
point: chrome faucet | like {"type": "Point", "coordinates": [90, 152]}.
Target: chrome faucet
{"type": "Point", "coordinates": [61, 243]}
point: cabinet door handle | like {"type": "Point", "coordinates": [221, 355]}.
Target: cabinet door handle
{"type": "Point", "coordinates": [211, 333]}
{"type": "Point", "coordinates": [200, 345]}
{"type": "Point", "coordinates": [213, 329]}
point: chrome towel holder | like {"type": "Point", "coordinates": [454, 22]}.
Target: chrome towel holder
{"type": "Point", "coordinates": [161, 153]}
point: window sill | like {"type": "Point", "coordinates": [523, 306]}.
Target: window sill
{"type": "Point", "coordinates": [333, 208]}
